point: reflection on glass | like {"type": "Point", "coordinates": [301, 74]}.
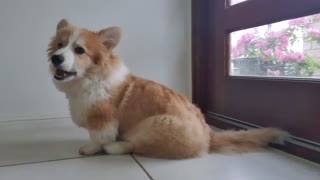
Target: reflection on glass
{"type": "Point", "coordinates": [233, 2]}
{"type": "Point", "coordinates": [288, 48]}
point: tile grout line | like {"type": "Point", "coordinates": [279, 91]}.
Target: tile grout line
{"type": "Point", "coordinates": [38, 162]}
{"type": "Point", "coordinates": [144, 170]}
{"type": "Point", "coordinates": [53, 160]}
{"type": "Point", "coordinates": [28, 120]}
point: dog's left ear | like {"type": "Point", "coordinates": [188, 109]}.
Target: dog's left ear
{"type": "Point", "coordinates": [110, 37]}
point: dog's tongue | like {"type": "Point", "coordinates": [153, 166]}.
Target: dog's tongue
{"type": "Point", "coordinates": [60, 72]}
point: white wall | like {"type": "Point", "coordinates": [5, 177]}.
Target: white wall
{"type": "Point", "coordinates": [156, 45]}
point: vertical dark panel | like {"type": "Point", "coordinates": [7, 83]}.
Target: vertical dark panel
{"type": "Point", "coordinates": [199, 51]}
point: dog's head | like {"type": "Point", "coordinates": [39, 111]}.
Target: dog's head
{"type": "Point", "coordinates": [75, 53]}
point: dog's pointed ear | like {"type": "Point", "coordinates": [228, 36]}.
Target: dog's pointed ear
{"type": "Point", "coordinates": [62, 24]}
{"type": "Point", "coordinates": [110, 37]}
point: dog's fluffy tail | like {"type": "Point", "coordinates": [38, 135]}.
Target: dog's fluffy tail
{"type": "Point", "coordinates": [246, 140]}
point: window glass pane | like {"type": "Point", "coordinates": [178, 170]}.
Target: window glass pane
{"type": "Point", "coordinates": [233, 2]}
{"type": "Point", "coordinates": [288, 48]}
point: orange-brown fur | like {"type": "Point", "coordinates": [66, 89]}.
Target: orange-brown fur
{"type": "Point", "coordinates": [153, 119]}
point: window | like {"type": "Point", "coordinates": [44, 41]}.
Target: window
{"type": "Point", "coordinates": [289, 48]}
{"type": "Point", "coordinates": [274, 84]}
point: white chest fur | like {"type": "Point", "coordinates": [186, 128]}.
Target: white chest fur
{"type": "Point", "coordinates": [89, 91]}
{"type": "Point", "coordinates": [81, 99]}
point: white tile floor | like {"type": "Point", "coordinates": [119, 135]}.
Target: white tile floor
{"type": "Point", "coordinates": [48, 149]}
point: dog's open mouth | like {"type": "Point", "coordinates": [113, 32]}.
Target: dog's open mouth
{"type": "Point", "coordinates": [61, 74]}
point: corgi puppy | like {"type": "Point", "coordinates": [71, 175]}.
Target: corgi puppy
{"type": "Point", "coordinates": [127, 114]}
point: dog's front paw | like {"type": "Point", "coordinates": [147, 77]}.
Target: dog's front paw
{"type": "Point", "coordinates": [90, 149]}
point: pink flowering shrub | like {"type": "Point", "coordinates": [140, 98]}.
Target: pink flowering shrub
{"type": "Point", "coordinates": [314, 35]}
{"type": "Point", "coordinates": [274, 73]}
{"type": "Point", "coordinates": [275, 51]}
{"type": "Point", "coordinates": [314, 32]}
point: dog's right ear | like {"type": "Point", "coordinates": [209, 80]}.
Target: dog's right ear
{"type": "Point", "coordinates": [62, 24]}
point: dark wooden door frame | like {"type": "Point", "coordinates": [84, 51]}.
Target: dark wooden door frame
{"type": "Point", "coordinates": [200, 27]}
{"type": "Point", "coordinates": [204, 41]}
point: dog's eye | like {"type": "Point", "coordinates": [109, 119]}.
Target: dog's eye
{"type": "Point", "coordinates": [60, 45]}
{"type": "Point", "coordinates": [79, 50]}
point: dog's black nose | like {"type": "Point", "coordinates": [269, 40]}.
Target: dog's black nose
{"type": "Point", "coordinates": [57, 60]}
